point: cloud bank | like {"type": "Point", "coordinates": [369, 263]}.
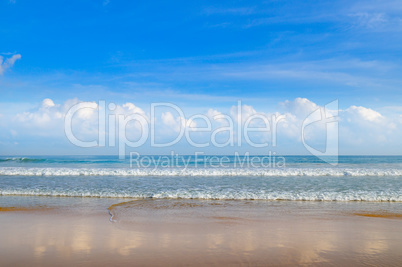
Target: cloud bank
{"type": "Point", "coordinates": [361, 129]}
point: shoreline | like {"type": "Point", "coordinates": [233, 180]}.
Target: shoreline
{"type": "Point", "coordinates": [198, 232]}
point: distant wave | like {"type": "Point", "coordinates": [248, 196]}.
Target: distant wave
{"type": "Point", "coordinates": [22, 160]}
{"type": "Point", "coordinates": [44, 160]}
{"type": "Point", "coordinates": [202, 172]}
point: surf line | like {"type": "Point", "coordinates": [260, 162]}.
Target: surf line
{"type": "Point", "coordinates": [114, 206]}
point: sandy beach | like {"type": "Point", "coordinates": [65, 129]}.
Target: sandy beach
{"type": "Point", "coordinates": [167, 232]}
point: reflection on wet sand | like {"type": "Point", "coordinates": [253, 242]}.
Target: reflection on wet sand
{"type": "Point", "coordinates": [11, 209]}
{"type": "Point", "coordinates": [194, 235]}
{"type": "Point", "coordinates": [380, 215]}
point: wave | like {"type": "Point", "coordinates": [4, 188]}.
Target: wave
{"type": "Point", "coordinates": [202, 172]}
{"type": "Point", "coordinates": [22, 160]}
{"type": "Point", "coordinates": [346, 196]}
{"type": "Point", "coordinates": [62, 161]}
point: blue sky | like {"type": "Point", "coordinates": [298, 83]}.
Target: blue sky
{"type": "Point", "coordinates": [200, 55]}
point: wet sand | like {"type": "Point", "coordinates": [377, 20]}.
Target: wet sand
{"type": "Point", "coordinates": [199, 233]}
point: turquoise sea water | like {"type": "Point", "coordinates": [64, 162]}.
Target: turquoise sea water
{"type": "Point", "coordinates": [293, 178]}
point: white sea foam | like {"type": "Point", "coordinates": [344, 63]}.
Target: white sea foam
{"type": "Point", "coordinates": [226, 195]}
{"type": "Point", "coordinates": [203, 172]}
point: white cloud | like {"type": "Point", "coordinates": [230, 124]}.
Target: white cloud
{"type": "Point", "coordinates": [48, 118]}
{"type": "Point", "coordinates": [131, 108]}
{"type": "Point", "coordinates": [217, 116]}
{"type": "Point", "coordinates": [243, 114]}
{"type": "Point", "coordinates": [47, 103]}
{"type": "Point", "coordinates": [300, 107]}
{"type": "Point", "coordinates": [214, 114]}
{"type": "Point", "coordinates": [8, 63]}
{"type": "Point", "coordinates": [362, 113]}
{"type": "Point", "coordinates": [168, 119]}
{"type": "Point", "coordinates": [178, 123]}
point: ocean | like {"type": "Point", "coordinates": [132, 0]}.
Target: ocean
{"type": "Point", "coordinates": [288, 178]}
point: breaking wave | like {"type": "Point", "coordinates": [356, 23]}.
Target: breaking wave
{"type": "Point", "coordinates": [203, 172]}
{"type": "Point", "coordinates": [215, 194]}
